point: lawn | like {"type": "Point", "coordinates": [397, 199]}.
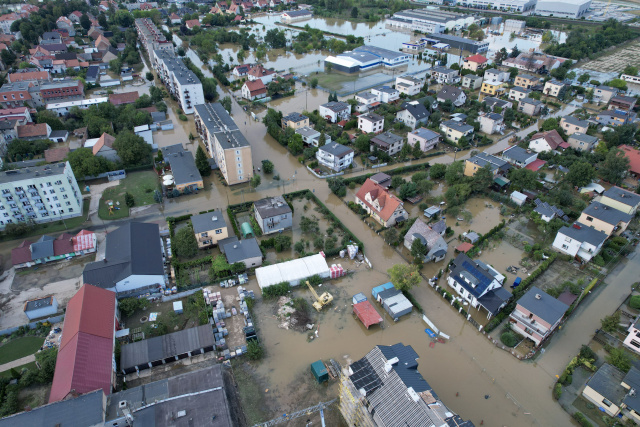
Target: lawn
{"type": "Point", "coordinates": [30, 366]}
{"type": "Point", "coordinates": [140, 184]}
{"type": "Point", "coordinates": [20, 347]}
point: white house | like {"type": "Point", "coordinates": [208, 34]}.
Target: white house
{"type": "Point", "coordinates": [427, 139]}
{"type": "Point", "coordinates": [445, 75]}
{"type": "Point", "coordinates": [632, 341]}
{"type": "Point", "coordinates": [579, 241]}
{"type": "Point", "coordinates": [518, 156]}
{"type": "Point", "coordinates": [335, 112]}
{"type": "Point", "coordinates": [366, 101]}
{"type": "Point", "coordinates": [496, 75]}
{"type": "Point", "coordinates": [453, 94]}
{"type": "Point", "coordinates": [371, 123]}
{"type": "Point", "coordinates": [413, 114]}
{"type": "Point", "coordinates": [491, 123]}
{"type": "Point", "coordinates": [335, 156]}
{"type": "Point", "coordinates": [409, 85]}
{"type": "Point", "coordinates": [435, 244]}
{"type": "Point", "coordinates": [253, 90]}
{"type": "Point", "coordinates": [386, 94]}
{"type": "Point", "coordinates": [547, 141]}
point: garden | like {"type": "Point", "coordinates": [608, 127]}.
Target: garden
{"type": "Point", "coordinates": [137, 189]}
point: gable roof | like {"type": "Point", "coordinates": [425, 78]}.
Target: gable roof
{"type": "Point", "coordinates": [518, 154]}
{"type": "Point", "coordinates": [606, 213]}
{"type": "Point", "coordinates": [123, 98]}
{"type": "Point", "coordinates": [543, 305]}
{"type": "Point", "coordinates": [208, 221]}
{"type": "Point", "coordinates": [552, 137]}
{"type": "Point", "coordinates": [634, 158]}
{"type": "Point", "coordinates": [417, 110]}
{"type": "Point", "coordinates": [27, 75]}
{"type": "Point", "coordinates": [479, 59]}
{"type": "Point", "coordinates": [256, 87]}
{"type": "Point", "coordinates": [583, 233]}
{"type": "Point", "coordinates": [388, 202]}
{"type": "Point", "coordinates": [31, 130]}
{"type": "Point", "coordinates": [623, 196]}
{"type": "Point", "coordinates": [576, 122]}
{"type": "Point", "coordinates": [56, 154]}
{"type": "Point", "coordinates": [449, 93]}
{"type": "Point", "coordinates": [336, 149]}
{"type": "Point", "coordinates": [483, 159]}
{"type": "Point", "coordinates": [473, 276]}
{"type": "Point", "coordinates": [105, 140]}
{"type": "Point", "coordinates": [424, 233]}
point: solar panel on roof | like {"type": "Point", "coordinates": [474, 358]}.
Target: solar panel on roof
{"type": "Point", "coordinates": [364, 376]}
{"type": "Point", "coordinates": [483, 281]}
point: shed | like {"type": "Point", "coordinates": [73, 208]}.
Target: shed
{"type": "Point", "coordinates": [177, 307]}
{"type": "Point", "coordinates": [367, 313]}
{"type": "Point", "coordinates": [246, 230]}
{"type": "Point", "coordinates": [432, 211]}
{"type": "Point", "coordinates": [41, 307]}
{"type": "Point", "coordinates": [464, 247]}
{"type": "Point", "coordinates": [471, 236]}
{"type": "Point", "coordinates": [319, 371]}
{"type": "Point", "coordinates": [396, 304]}
{"type": "Point", "coordinates": [375, 291]}
{"type": "Point", "coordinates": [518, 198]}
{"type": "Point", "coordinates": [293, 271]}
{"type": "Point", "coordinates": [359, 298]}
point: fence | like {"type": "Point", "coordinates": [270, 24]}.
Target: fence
{"type": "Point", "coordinates": [32, 325]}
{"type": "Point", "coordinates": [166, 298]}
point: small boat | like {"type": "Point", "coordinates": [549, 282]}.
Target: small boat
{"type": "Point", "coordinates": [430, 333]}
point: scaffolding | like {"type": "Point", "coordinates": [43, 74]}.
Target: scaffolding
{"type": "Point", "coordinates": [352, 408]}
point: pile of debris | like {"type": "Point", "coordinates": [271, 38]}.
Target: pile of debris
{"type": "Point", "coordinates": [290, 317]}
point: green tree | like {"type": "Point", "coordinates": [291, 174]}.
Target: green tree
{"type": "Point", "coordinates": [115, 65]}
{"type": "Point", "coordinates": [84, 163]}
{"type": "Point", "coordinates": [149, 76]}
{"type": "Point", "coordinates": [185, 243]}
{"type": "Point", "coordinates": [275, 38]}
{"type": "Point", "coordinates": [202, 162]}
{"type": "Point", "coordinates": [418, 251]}
{"type": "Point", "coordinates": [313, 83]}
{"type": "Point", "coordinates": [128, 306]}
{"type": "Point", "coordinates": [611, 323]}
{"type": "Point", "coordinates": [404, 277]}
{"type": "Point", "coordinates": [618, 84]}
{"type": "Point", "coordinates": [523, 178]}
{"type": "Point", "coordinates": [85, 22]}
{"type": "Point", "coordinates": [129, 200]}
{"type": "Point", "coordinates": [437, 171]}
{"type": "Point", "coordinates": [615, 166]}
{"type": "Point", "coordinates": [630, 70]}
{"type": "Point", "coordinates": [132, 149]}
{"type": "Point", "coordinates": [226, 103]}
{"type": "Point", "coordinates": [391, 236]}
{"type": "Point", "coordinates": [550, 124]}
{"type": "Point", "coordinates": [354, 13]}
{"type": "Point", "coordinates": [267, 166]}
{"type": "Point", "coordinates": [254, 350]}
{"type": "Point", "coordinates": [47, 360]}
{"type": "Point", "coordinates": [407, 190]}
{"type": "Point", "coordinates": [581, 173]}
{"type": "Point", "coordinates": [362, 143]}
{"type": "Point", "coordinates": [454, 173]}
{"type": "Point", "coordinates": [337, 186]}
{"type": "Point", "coordinates": [619, 358]}
{"type": "Point", "coordinates": [255, 181]}
{"type": "Point", "coordinates": [482, 179]}
{"type": "Point", "coordinates": [584, 77]}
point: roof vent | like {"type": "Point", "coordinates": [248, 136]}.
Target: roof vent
{"type": "Point", "coordinates": [235, 246]}
{"type": "Point", "coordinates": [214, 218]}
{"type": "Point", "coordinates": [181, 414]}
{"type": "Point", "coordinates": [538, 296]}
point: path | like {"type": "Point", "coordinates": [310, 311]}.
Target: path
{"type": "Point", "coordinates": [96, 194]}
{"type": "Point", "coordinates": [18, 362]}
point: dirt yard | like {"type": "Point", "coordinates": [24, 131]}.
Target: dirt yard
{"type": "Point", "coordinates": [617, 60]}
{"type": "Point", "coordinates": [560, 272]}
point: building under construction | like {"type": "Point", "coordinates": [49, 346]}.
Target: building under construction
{"type": "Point", "coordinates": [384, 388]}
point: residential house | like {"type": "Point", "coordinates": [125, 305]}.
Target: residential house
{"type": "Point", "coordinates": [32, 131]}
{"type": "Point", "coordinates": [453, 94]}
{"type": "Point", "coordinates": [246, 251]}
{"type": "Point", "coordinates": [7, 20]}
{"type": "Point", "coordinates": [580, 241]}
{"type": "Point", "coordinates": [49, 249]}
{"type": "Point", "coordinates": [444, 75]}
{"type": "Point", "coordinates": [253, 90]}
{"type": "Point", "coordinates": [335, 156]}
{"type": "Point", "coordinates": [548, 212]}
{"type": "Point", "coordinates": [28, 74]}
{"type": "Point", "coordinates": [186, 176]}
{"type": "Point", "coordinates": [432, 240]}
{"type": "Point", "coordinates": [630, 153]}
{"type": "Point", "coordinates": [622, 200]}
{"type": "Point", "coordinates": [366, 102]}
{"type": "Point", "coordinates": [492, 103]}
{"type": "Point", "coordinates": [387, 142]}
{"type": "Point", "coordinates": [371, 123]}
{"type": "Point", "coordinates": [623, 103]}
{"type": "Point", "coordinates": [59, 136]}
{"type": "Point", "coordinates": [554, 88]}
{"type": "Point", "coordinates": [481, 160]}
{"type": "Point", "coordinates": [491, 123]}
{"type": "Point", "coordinates": [455, 130]}
{"type": "Point", "coordinates": [386, 94]}
{"type": "Point", "coordinates": [605, 218]}
{"type": "Point", "coordinates": [571, 125]}
{"type": "Point", "coordinates": [526, 81]}
{"type": "Point", "coordinates": [93, 74]}
{"type": "Point", "coordinates": [192, 23]}
{"type": "Point", "coordinates": [537, 315]}
{"type": "Point", "coordinates": [335, 111]}
{"type": "Point", "coordinates": [530, 106]}
{"type": "Point", "coordinates": [295, 121]}
{"type": "Point", "coordinates": [103, 147]}
{"type": "Point", "coordinates": [392, 391]}
{"type": "Point", "coordinates": [614, 392]}
{"type": "Point", "coordinates": [534, 62]}
{"type": "Point", "coordinates": [175, 19]}
{"type": "Point", "coordinates": [133, 262]}
{"type": "Point", "coordinates": [382, 179]}
{"type": "Point", "coordinates": [409, 85]}
{"type": "Point", "coordinates": [50, 37]}
{"type": "Point", "coordinates": [180, 82]}
{"type": "Point", "coordinates": [518, 156]}
{"type": "Point", "coordinates": [209, 228]}
{"type": "Point", "coordinates": [258, 72]}
{"type": "Point", "coordinates": [123, 98]}
{"type": "Point", "coordinates": [614, 117]}
{"type": "Point", "coordinates": [75, 16]}
{"type": "Point", "coordinates": [582, 142]}
{"type": "Point", "coordinates": [492, 87]}
{"type": "Point", "coordinates": [273, 214]}
{"type": "Point", "coordinates": [478, 283]}
{"type": "Point", "coordinates": [518, 93]}
{"type": "Point", "coordinates": [495, 75]}
{"type": "Point", "coordinates": [383, 206]}
{"type": "Point", "coordinates": [547, 141]}
{"type": "Point", "coordinates": [475, 63]}
{"type": "Point", "coordinates": [471, 81]}
{"type": "Point", "coordinates": [241, 70]}
{"type": "Point", "coordinates": [413, 114]}
{"type": "Point", "coordinates": [55, 155]}
{"type": "Point", "coordinates": [632, 341]}
{"type": "Point", "coordinates": [311, 136]}
{"type": "Point", "coordinates": [427, 138]}
{"type": "Point", "coordinates": [604, 93]}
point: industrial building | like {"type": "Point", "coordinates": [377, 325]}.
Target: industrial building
{"type": "Point", "coordinates": [366, 57]}
{"type": "Point", "coordinates": [502, 5]}
{"type": "Point", "coordinates": [429, 20]}
{"type": "Point", "coordinates": [565, 9]}
{"type": "Point", "coordinates": [514, 26]}
{"type": "Point", "coordinates": [455, 42]}
{"type": "Point", "coordinates": [224, 142]}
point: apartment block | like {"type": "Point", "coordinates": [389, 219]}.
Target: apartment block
{"type": "Point", "coordinates": [151, 37]}
{"type": "Point", "coordinates": [224, 142]}
{"type": "Point", "coordinates": [181, 82]}
{"type": "Point", "coordinates": [39, 194]}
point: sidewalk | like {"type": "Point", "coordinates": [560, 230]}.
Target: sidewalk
{"type": "Point", "coordinates": [18, 362]}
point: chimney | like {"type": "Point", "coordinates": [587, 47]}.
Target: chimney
{"type": "Point", "coordinates": [538, 296]}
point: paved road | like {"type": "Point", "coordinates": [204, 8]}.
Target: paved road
{"type": "Point", "coordinates": [18, 362]}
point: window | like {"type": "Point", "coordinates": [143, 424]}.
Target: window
{"type": "Point", "coordinates": [606, 403]}
{"type": "Point", "coordinates": [205, 234]}
{"type": "Point", "coordinates": [590, 218]}
{"type": "Point", "coordinates": [567, 239]}
{"type": "Point", "coordinates": [565, 247]}
{"type": "Point", "coordinates": [70, 209]}
{"type": "Point", "coordinates": [635, 343]}
{"type": "Point", "coordinates": [219, 231]}
{"type": "Point", "coordinates": [68, 203]}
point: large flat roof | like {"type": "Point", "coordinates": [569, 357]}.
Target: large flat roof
{"type": "Point", "coordinates": [32, 172]}
{"type": "Point", "coordinates": [219, 123]}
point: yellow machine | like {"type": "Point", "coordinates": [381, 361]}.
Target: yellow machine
{"type": "Point", "coordinates": [322, 300]}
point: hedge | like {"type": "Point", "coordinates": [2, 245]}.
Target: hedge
{"type": "Point", "coordinates": [582, 420]}
{"type": "Point", "coordinates": [172, 221]}
{"type": "Point", "coordinates": [277, 290]}
{"type": "Point", "coordinates": [476, 247]}
{"type": "Point", "coordinates": [397, 171]}
{"type": "Point", "coordinates": [232, 218]}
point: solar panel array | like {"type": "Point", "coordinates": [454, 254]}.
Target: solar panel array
{"type": "Point", "coordinates": [483, 279]}
{"type": "Point", "coordinates": [559, 212]}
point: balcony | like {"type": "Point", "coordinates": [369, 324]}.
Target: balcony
{"type": "Point", "coordinates": [530, 323]}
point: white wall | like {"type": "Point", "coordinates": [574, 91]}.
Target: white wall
{"type": "Point", "coordinates": [134, 282]}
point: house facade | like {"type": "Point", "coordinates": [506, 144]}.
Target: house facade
{"type": "Point", "coordinates": [413, 114]}
{"type": "Point", "coordinates": [427, 139]}
{"type": "Point", "coordinates": [605, 218]}
{"type": "Point", "coordinates": [455, 130]}
{"type": "Point", "coordinates": [537, 315]}
{"type": "Point", "coordinates": [453, 94]}
{"type": "Point", "coordinates": [526, 81]}
{"type": "Point", "coordinates": [386, 94]}
{"type": "Point", "coordinates": [554, 88]}
{"type": "Point", "coordinates": [530, 107]}
{"type": "Point", "coordinates": [444, 75]}
{"type": "Point", "coordinates": [254, 90]}
{"type": "Point", "coordinates": [572, 125]}
{"type": "Point", "coordinates": [622, 200]}
{"type": "Point", "coordinates": [491, 123]}
{"type": "Point", "coordinates": [383, 206]}
{"type": "Point", "coordinates": [579, 241]}
{"type": "Point", "coordinates": [518, 93]}
{"type": "Point", "coordinates": [409, 85]}
{"type": "Point", "coordinates": [295, 121]}
{"type": "Point", "coordinates": [335, 156]}
{"type": "Point", "coordinates": [371, 123]}
{"type": "Point", "coordinates": [582, 142]}
{"type": "Point", "coordinates": [335, 111]}
{"type": "Point", "coordinates": [435, 245]}
{"type": "Point", "coordinates": [547, 141]}
{"type": "Point", "coordinates": [471, 81]}
{"type": "Point", "coordinates": [387, 142]}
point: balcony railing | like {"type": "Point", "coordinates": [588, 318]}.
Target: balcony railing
{"type": "Point", "coordinates": [529, 324]}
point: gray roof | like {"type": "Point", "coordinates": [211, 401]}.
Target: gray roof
{"type": "Point", "coordinates": [478, 277]}
{"type": "Point", "coordinates": [183, 165]}
{"type": "Point", "coordinates": [59, 134]}
{"type": "Point", "coordinates": [208, 221]}
{"type": "Point", "coordinates": [460, 127]}
{"type": "Point", "coordinates": [43, 248]}
{"type": "Point", "coordinates": [426, 234]}
{"type": "Point", "coordinates": [493, 71]}
{"type": "Point", "coordinates": [271, 206]}
{"type": "Point", "coordinates": [583, 137]}
{"type": "Point", "coordinates": [307, 132]}
{"type": "Point", "coordinates": [294, 117]}
{"type": "Point", "coordinates": [623, 196]}
{"type": "Point", "coordinates": [386, 139]}
{"type": "Point", "coordinates": [517, 154]}
{"type": "Point", "coordinates": [530, 101]}
{"type": "Point", "coordinates": [449, 92]}
{"type": "Point", "coordinates": [338, 150]}
{"type": "Point", "coordinates": [607, 88]}
{"type": "Point", "coordinates": [472, 77]}
{"type": "Point", "coordinates": [336, 107]}
{"type": "Point", "coordinates": [443, 70]}
{"type": "Point", "coordinates": [632, 379]}
{"type": "Point", "coordinates": [417, 110]}
{"type": "Point", "coordinates": [528, 76]}
{"type": "Point", "coordinates": [133, 249]}
{"type": "Point", "coordinates": [219, 123]}
{"type": "Point", "coordinates": [32, 172]}
{"type": "Point", "coordinates": [607, 382]}
{"type": "Point", "coordinates": [242, 250]}
{"type": "Point", "coordinates": [158, 116]}
{"type": "Point", "coordinates": [367, 95]}
{"type": "Point", "coordinates": [576, 122]}
{"type": "Point", "coordinates": [165, 346]}
{"type": "Point", "coordinates": [371, 117]}
{"type": "Point", "coordinates": [546, 307]}
{"type": "Point", "coordinates": [494, 116]}
{"type": "Point", "coordinates": [425, 133]}
{"type": "Point", "coordinates": [494, 299]}
{"type": "Point", "coordinates": [175, 65]}
{"type": "Point", "coordinates": [495, 102]}
{"type": "Point", "coordinates": [386, 89]}
{"type": "Point", "coordinates": [84, 410]}
{"type": "Point", "coordinates": [36, 304]}
{"type": "Point", "coordinates": [379, 52]}
{"type": "Point", "coordinates": [382, 179]}
{"type": "Point", "coordinates": [200, 393]}
{"type": "Point", "coordinates": [607, 214]}
{"type": "Point", "coordinates": [521, 89]}
{"type": "Point", "coordinates": [93, 71]}
{"type": "Point", "coordinates": [483, 159]}
{"type": "Point", "coordinates": [439, 227]}
{"type": "Point", "coordinates": [297, 13]}
{"type": "Point", "coordinates": [584, 234]}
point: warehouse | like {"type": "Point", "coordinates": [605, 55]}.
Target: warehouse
{"type": "Point", "coordinates": [366, 57]}
{"type": "Point", "coordinates": [502, 5]}
{"type": "Point", "coordinates": [166, 348]}
{"type": "Point", "coordinates": [456, 42]}
{"type": "Point", "coordinates": [565, 9]}
{"type": "Point", "coordinates": [429, 20]}
{"type": "Point", "coordinates": [293, 271]}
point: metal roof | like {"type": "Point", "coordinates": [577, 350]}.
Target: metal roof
{"type": "Point", "coordinates": [242, 250]}
{"type": "Point", "coordinates": [543, 305]}
{"type": "Point", "coordinates": [183, 165]}
{"type": "Point", "coordinates": [271, 206]}
{"type": "Point", "coordinates": [623, 196]}
{"type": "Point", "coordinates": [606, 213]}
{"type": "Point", "coordinates": [33, 172]}
{"type": "Point", "coordinates": [208, 221]}
{"type": "Point", "coordinates": [220, 124]}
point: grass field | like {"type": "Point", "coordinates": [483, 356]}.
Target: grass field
{"type": "Point", "coordinates": [7, 374]}
{"type": "Point", "coordinates": [140, 184]}
{"type": "Point", "coordinates": [19, 347]}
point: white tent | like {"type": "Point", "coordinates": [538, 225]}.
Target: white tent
{"type": "Point", "coordinates": [293, 271]}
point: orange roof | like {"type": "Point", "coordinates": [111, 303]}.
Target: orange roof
{"type": "Point", "coordinates": [381, 201]}
{"type": "Point", "coordinates": [55, 154]}
{"type": "Point", "coordinates": [256, 87]}
{"type": "Point", "coordinates": [32, 129]}
{"type": "Point", "coordinates": [191, 23]}
{"type": "Point", "coordinates": [105, 139]}
{"type": "Point", "coordinates": [259, 71]}
{"type": "Point", "coordinates": [479, 59]}
{"type": "Point", "coordinates": [464, 247]}
{"type": "Point", "coordinates": [123, 98]}
{"type": "Point", "coordinates": [634, 158]}
{"type": "Point", "coordinates": [173, 16]}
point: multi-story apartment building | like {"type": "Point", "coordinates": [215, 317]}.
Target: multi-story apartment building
{"type": "Point", "coordinates": [151, 37]}
{"type": "Point", "coordinates": [181, 82]}
{"type": "Point", "coordinates": [224, 142]}
{"type": "Point", "coordinates": [40, 194]}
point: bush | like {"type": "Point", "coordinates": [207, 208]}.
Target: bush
{"type": "Point", "coordinates": [128, 306]}
{"type": "Point", "coordinates": [581, 419]}
{"type": "Point", "coordinates": [557, 391]}
{"type": "Point", "coordinates": [508, 339]}
{"type": "Point", "coordinates": [254, 350]}
{"type": "Point", "coordinates": [635, 302]}
{"type": "Point", "coordinates": [129, 200]}
{"type": "Point", "coordinates": [277, 290]}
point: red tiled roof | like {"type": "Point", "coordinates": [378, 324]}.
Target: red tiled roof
{"type": "Point", "coordinates": [56, 154]}
{"type": "Point", "coordinates": [32, 129]}
{"type": "Point", "coordinates": [22, 253]}
{"type": "Point", "coordinates": [342, 123]}
{"type": "Point", "coordinates": [634, 158]}
{"type": "Point", "coordinates": [192, 23]}
{"type": "Point", "coordinates": [105, 139]}
{"type": "Point", "coordinates": [552, 137]}
{"type": "Point", "coordinates": [256, 87]}
{"type": "Point", "coordinates": [536, 165]}
{"type": "Point", "coordinates": [29, 75]}
{"type": "Point", "coordinates": [84, 240]}
{"type": "Point", "coordinates": [91, 311]}
{"type": "Point", "coordinates": [388, 202]}
{"type": "Point", "coordinates": [123, 98]}
{"type": "Point", "coordinates": [174, 16]}
{"type": "Point", "coordinates": [464, 247]}
{"type": "Point", "coordinates": [260, 71]}
{"type": "Point", "coordinates": [63, 244]}
{"type": "Point", "coordinates": [367, 313]}
{"type": "Point", "coordinates": [477, 58]}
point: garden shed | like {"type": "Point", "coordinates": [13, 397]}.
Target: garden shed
{"type": "Point", "coordinates": [375, 291]}
{"type": "Point", "coordinates": [319, 371]}
{"type": "Point", "coordinates": [367, 313]}
{"type": "Point", "coordinates": [293, 271]}
{"type": "Point", "coordinates": [395, 303]}
{"type": "Point", "coordinates": [246, 230]}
